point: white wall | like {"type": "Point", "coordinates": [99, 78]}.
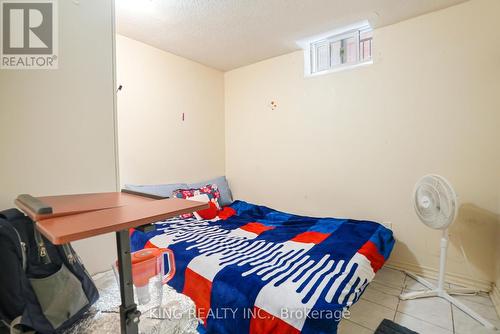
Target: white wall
{"type": "Point", "coordinates": [354, 143]}
{"type": "Point", "coordinates": [156, 145]}
{"type": "Point", "coordinates": [57, 134]}
{"type": "Point", "coordinates": [495, 294]}
{"type": "Point", "coordinates": [496, 291]}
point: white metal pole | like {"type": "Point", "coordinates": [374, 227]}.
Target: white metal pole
{"type": "Point", "coordinates": [442, 260]}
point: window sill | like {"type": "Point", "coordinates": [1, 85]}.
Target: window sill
{"type": "Point", "coordinates": [339, 69]}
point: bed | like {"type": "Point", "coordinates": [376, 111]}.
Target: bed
{"type": "Point", "coordinates": [258, 270]}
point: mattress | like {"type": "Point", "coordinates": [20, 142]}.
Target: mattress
{"type": "Point", "coordinates": [254, 269]}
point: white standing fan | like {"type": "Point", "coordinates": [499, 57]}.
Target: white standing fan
{"type": "Point", "coordinates": [436, 205]}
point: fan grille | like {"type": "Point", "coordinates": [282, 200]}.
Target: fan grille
{"type": "Point", "coordinates": [435, 201]}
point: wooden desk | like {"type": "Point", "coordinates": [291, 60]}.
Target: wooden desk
{"type": "Point", "coordinates": [72, 204]}
{"type": "Point", "coordinates": [75, 217]}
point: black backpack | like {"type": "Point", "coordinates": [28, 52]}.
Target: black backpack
{"type": "Point", "coordinates": [43, 288]}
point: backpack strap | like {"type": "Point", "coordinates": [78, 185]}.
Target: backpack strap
{"type": "Point", "coordinates": [3, 319]}
{"type": "Point", "coordinates": [16, 328]}
{"type": "Point", "coordinates": [11, 214]}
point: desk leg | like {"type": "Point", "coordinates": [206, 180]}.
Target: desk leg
{"type": "Point", "coordinates": [129, 315]}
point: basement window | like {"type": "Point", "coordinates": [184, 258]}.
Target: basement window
{"type": "Point", "coordinates": [338, 50]}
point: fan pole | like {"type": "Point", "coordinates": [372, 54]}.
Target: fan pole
{"type": "Point", "coordinates": [442, 261]}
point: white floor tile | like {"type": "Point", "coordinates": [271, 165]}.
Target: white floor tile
{"type": "Point", "coordinates": [426, 315]}
{"type": "Point", "coordinates": [464, 324]}
{"type": "Point", "coordinates": [375, 295]}
{"type": "Point", "coordinates": [349, 327]}
{"type": "Point", "coordinates": [433, 310]}
{"type": "Point", "coordinates": [370, 315]}
{"type": "Point", "coordinates": [390, 277]}
{"type": "Point", "coordinates": [481, 298]}
{"type": "Point", "coordinates": [418, 325]}
{"type": "Point", "coordinates": [487, 311]}
{"type": "Point", "coordinates": [390, 290]}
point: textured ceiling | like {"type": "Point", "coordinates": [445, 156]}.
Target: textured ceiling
{"type": "Point", "coordinates": [226, 34]}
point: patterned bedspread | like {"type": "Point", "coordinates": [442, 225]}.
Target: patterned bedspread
{"type": "Point", "coordinates": [258, 270]}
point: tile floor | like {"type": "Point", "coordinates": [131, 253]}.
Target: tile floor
{"type": "Point", "coordinates": [425, 316]}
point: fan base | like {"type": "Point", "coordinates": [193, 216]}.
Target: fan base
{"type": "Point", "coordinates": [446, 294]}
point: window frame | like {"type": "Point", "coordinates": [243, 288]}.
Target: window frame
{"type": "Point", "coordinates": [310, 47]}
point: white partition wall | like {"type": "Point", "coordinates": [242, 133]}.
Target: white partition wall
{"type": "Point", "coordinates": [57, 132]}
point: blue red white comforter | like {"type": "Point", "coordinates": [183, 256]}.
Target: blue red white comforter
{"type": "Point", "coordinates": [258, 270]}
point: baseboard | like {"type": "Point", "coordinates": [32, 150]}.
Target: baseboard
{"type": "Point", "coordinates": [429, 272]}
{"type": "Point", "coordinates": [495, 297]}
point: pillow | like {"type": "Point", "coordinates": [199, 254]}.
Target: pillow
{"type": "Point", "coordinates": [210, 190]}
{"type": "Point", "coordinates": [226, 198]}
{"type": "Point", "coordinates": [164, 190]}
